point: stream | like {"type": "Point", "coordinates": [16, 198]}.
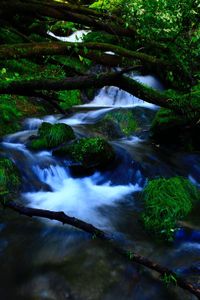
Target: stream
{"type": "Point", "coordinates": [45, 260]}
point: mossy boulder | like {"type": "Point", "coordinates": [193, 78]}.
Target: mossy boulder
{"type": "Point", "coordinates": [69, 98]}
{"type": "Point", "coordinates": [51, 136]}
{"type": "Point", "coordinates": [88, 153]}
{"type": "Point", "coordinates": [10, 180]}
{"type": "Point", "coordinates": [166, 202]}
{"type": "Point", "coordinates": [124, 119]}
{"type": "Point", "coordinates": [116, 124]}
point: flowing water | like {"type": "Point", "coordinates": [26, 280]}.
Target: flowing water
{"type": "Point", "coordinates": [42, 259]}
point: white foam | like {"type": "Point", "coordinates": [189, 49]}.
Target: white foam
{"type": "Point", "coordinates": [80, 198]}
{"type": "Point", "coordinates": [74, 37]}
{"type": "Point", "coordinates": [85, 117]}
{"type": "Point", "coordinates": [114, 97]}
{"type": "Point", "coordinates": [34, 123]}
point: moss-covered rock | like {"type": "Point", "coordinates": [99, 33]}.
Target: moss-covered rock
{"type": "Point", "coordinates": [69, 98]}
{"type": "Point", "coordinates": [125, 119]}
{"type": "Point", "coordinates": [10, 180]}
{"type": "Point", "coordinates": [14, 108]}
{"type": "Point", "coordinates": [166, 202]}
{"type": "Point", "coordinates": [107, 128]}
{"type": "Point", "coordinates": [51, 136]}
{"type": "Point", "coordinates": [89, 152]}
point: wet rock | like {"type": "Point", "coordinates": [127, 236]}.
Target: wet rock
{"type": "Point", "coordinates": [51, 136]}
{"type": "Point", "coordinates": [107, 128]}
{"type": "Point", "coordinates": [125, 120]}
{"type": "Point", "coordinates": [50, 286]}
{"type": "Point", "coordinates": [166, 202]}
{"type": "Point", "coordinates": [87, 154]}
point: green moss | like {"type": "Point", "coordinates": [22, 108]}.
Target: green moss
{"type": "Point", "coordinates": [63, 28]}
{"type": "Point", "coordinates": [10, 180]}
{"type": "Point", "coordinates": [13, 108]}
{"type": "Point", "coordinates": [166, 202]}
{"type": "Point", "coordinates": [44, 129]}
{"type": "Point", "coordinates": [125, 120]}
{"type": "Point", "coordinates": [107, 128]}
{"type": "Point", "coordinates": [26, 69]}
{"type": "Point", "coordinates": [51, 136]}
{"type": "Point", "coordinates": [98, 36]}
{"type": "Point", "coordinates": [168, 118]}
{"type": "Point", "coordinates": [39, 144]}
{"type": "Point", "coordinates": [88, 151]}
{"type": "Point", "coordinates": [9, 114]}
{"type": "Point", "coordinates": [69, 98]}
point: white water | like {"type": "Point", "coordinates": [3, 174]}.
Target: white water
{"type": "Point", "coordinates": [88, 117]}
{"type": "Point", "coordinates": [74, 37]}
{"type": "Point", "coordinates": [113, 96]}
{"type": "Point", "coordinates": [80, 198]}
{"type": "Point", "coordinates": [131, 140]}
{"type": "Point", "coordinates": [19, 137]}
{"type": "Point", "coordinates": [34, 123]}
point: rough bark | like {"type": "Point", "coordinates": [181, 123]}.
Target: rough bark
{"type": "Point", "coordinates": [40, 9]}
{"type": "Point", "coordinates": [40, 49]}
{"type": "Point", "coordinates": [24, 87]}
{"type": "Point", "coordinates": [95, 232]}
{"type": "Point", "coordinates": [85, 11]}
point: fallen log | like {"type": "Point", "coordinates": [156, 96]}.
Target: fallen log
{"type": "Point", "coordinates": [60, 48]}
{"type": "Point", "coordinates": [25, 87]}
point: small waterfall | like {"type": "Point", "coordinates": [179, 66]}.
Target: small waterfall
{"type": "Point", "coordinates": [74, 37]}
{"type": "Point", "coordinates": [18, 137]}
{"type": "Point", "coordinates": [77, 197]}
{"type": "Point", "coordinates": [53, 175]}
{"type": "Point", "coordinates": [88, 117]}
{"type": "Point", "coordinates": [113, 96]}
{"type": "Point", "coordinates": [34, 123]}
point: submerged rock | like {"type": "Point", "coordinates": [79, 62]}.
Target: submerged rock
{"type": "Point", "coordinates": [88, 153]}
{"type": "Point", "coordinates": [51, 136]}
